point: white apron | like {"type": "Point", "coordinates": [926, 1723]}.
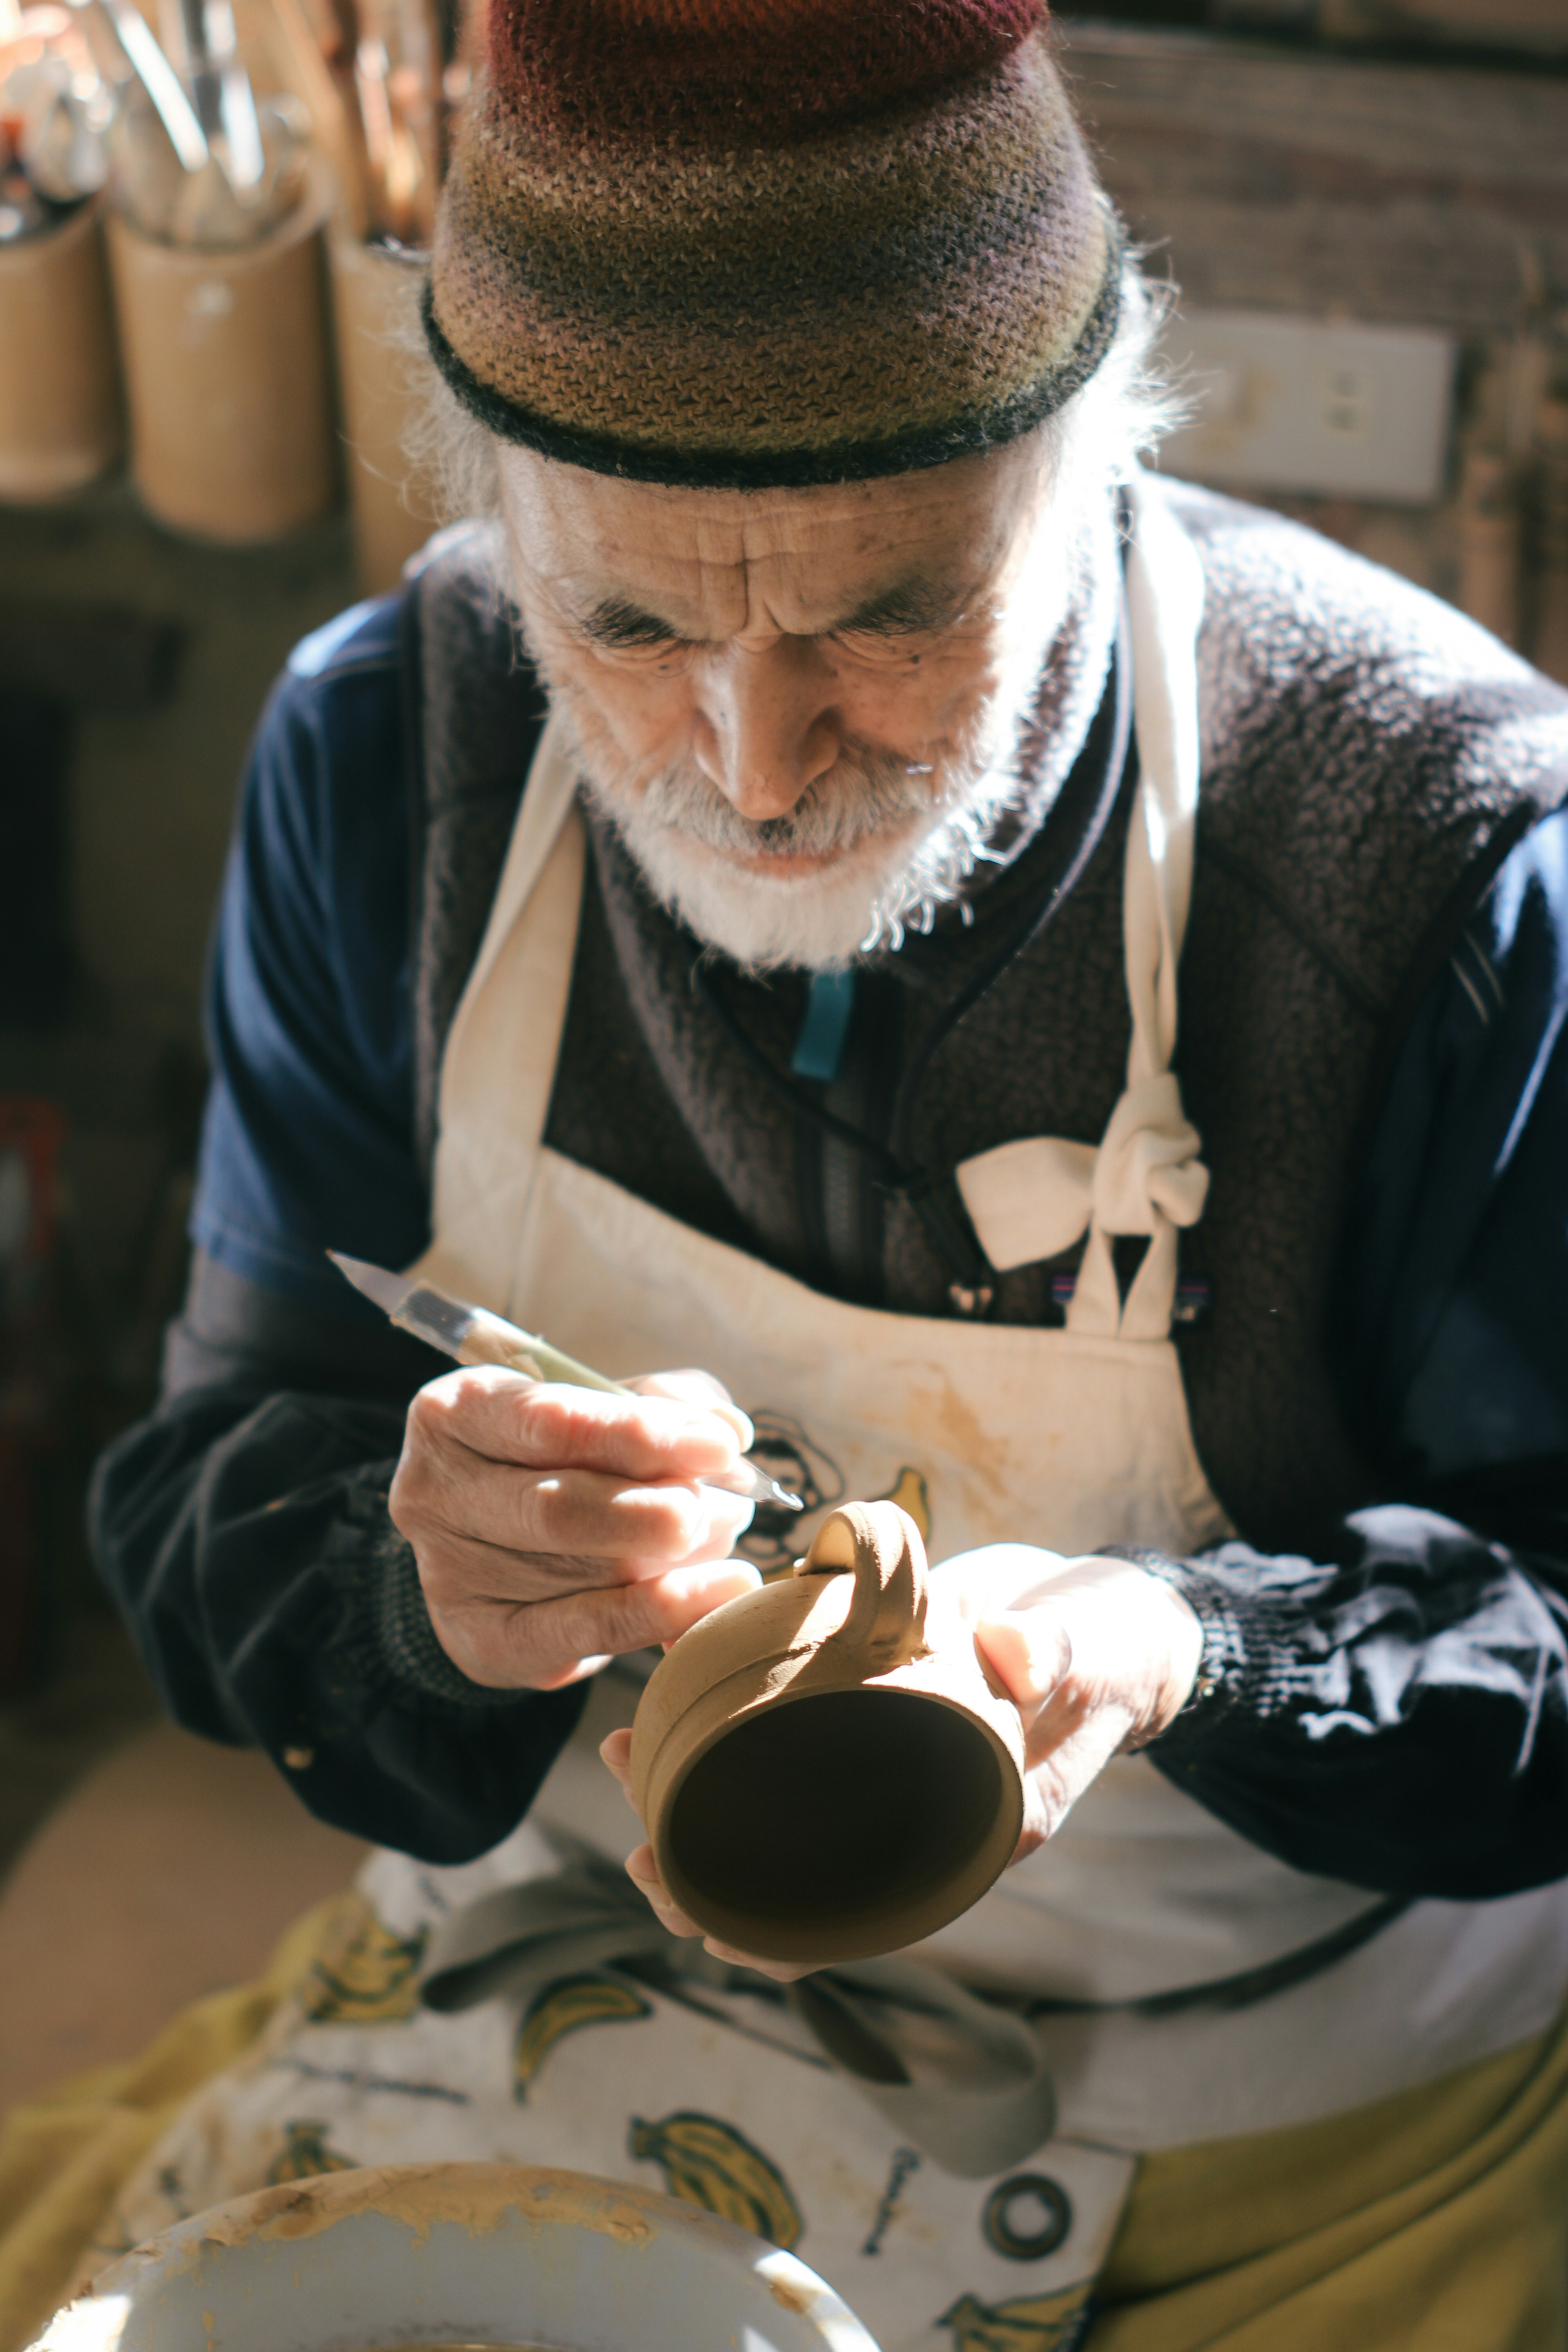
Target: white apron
{"type": "Point", "coordinates": [1068, 1438]}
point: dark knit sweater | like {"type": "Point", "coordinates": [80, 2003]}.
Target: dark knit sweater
{"type": "Point", "coordinates": [1369, 760]}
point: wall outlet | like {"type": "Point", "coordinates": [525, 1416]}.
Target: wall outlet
{"type": "Point", "coordinates": [1302, 405]}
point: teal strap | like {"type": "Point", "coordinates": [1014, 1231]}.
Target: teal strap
{"type": "Point", "coordinates": [819, 1048]}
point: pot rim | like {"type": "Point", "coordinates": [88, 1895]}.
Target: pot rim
{"type": "Point", "coordinates": [478, 2196]}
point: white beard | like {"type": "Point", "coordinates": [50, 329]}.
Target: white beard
{"type": "Point", "coordinates": [902, 839]}
{"type": "Point", "coordinates": [888, 877]}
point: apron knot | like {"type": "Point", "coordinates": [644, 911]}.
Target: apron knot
{"type": "Point", "coordinates": [1148, 1161]}
{"type": "Point", "coordinates": [1033, 1199]}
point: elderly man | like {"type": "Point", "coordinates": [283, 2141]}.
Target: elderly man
{"type": "Point", "coordinates": [731, 911]}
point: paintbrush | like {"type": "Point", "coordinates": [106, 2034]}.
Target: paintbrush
{"type": "Point", "coordinates": [474, 1335]}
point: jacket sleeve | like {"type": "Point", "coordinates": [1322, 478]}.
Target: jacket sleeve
{"type": "Point", "coordinates": [1391, 1706]}
{"type": "Point", "coordinates": [243, 1528]}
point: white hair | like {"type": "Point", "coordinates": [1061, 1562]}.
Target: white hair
{"type": "Point", "coordinates": [891, 842]}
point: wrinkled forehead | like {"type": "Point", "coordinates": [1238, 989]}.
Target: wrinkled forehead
{"type": "Point", "coordinates": [710, 560]}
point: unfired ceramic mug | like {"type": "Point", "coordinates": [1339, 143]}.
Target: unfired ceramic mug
{"type": "Point", "coordinates": [825, 1768]}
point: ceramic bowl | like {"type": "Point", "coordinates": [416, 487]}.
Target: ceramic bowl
{"type": "Point", "coordinates": [455, 2253]}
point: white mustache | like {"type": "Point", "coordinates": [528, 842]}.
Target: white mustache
{"type": "Point", "coordinates": [865, 793]}
{"type": "Point", "coordinates": [920, 829]}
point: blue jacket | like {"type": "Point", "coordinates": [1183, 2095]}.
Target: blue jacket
{"type": "Point", "coordinates": [1398, 1715]}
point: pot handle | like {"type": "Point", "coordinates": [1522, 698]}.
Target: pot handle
{"type": "Point", "coordinates": [880, 1544]}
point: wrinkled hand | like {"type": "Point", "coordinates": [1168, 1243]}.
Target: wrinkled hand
{"type": "Point", "coordinates": [1096, 1656]}
{"type": "Point", "coordinates": [555, 1527]}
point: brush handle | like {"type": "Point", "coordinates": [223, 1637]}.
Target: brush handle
{"type": "Point", "coordinates": [541, 1361]}
{"type": "Point", "coordinates": [489, 1339]}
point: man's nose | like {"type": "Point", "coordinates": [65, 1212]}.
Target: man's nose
{"type": "Point", "coordinates": [766, 726]}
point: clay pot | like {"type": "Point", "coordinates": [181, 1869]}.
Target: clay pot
{"type": "Point", "coordinates": [825, 1768]}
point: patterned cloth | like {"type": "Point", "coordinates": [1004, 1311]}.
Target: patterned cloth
{"type": "Point", "coordinates": [789, 243]}
{"type": "Point", "coordinates": [1435, 2219]}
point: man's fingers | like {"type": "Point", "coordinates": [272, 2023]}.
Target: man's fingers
{"type": "Point", "coordinates": [781, 1971]}
{"type": "Point", "coordinates": [1031, 1653]}
{"type": "Point", "coordinates": [643, 1872]}
{"type": "Point", "coordinates": [699, 1389]}
{"type": "Point", "coordinates": [1062, 1766]}
{"type": "Point", "coordinates": [441, 1494]}
{"type": "Point", "coordinates": [616, 1753]}
{"type": "Point", "coordinates": [544, 1424]}
{"type": "Point", "coordinates": [545, 1644]}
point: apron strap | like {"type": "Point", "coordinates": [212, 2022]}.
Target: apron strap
{"type": "Point", "coordinates": [964, 2081]}
{"type": "Point", "coordinates": [504, 1056]}
{"type": "Point", "coordinates": [1032, 1199]}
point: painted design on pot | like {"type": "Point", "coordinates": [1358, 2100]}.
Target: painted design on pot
{"type": "Point", "coordinates": [368, 1975]}
{"type": "Point", "coordinates": [566, 2006]}
{"type": "Point", "coordinates": [305, 2153]}
{"type": "Point", "coordinates": [1026, 2217]}
{"type": "Point", "coordinates": [711, 2164]}
{"type": "Point", "coordinates": [825, 1768]}
{"type": "Point", "coordinates": [1038, 2323]}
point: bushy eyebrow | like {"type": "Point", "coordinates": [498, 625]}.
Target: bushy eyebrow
{"type": "Point", "coordinates": [614, 623]}
{"type": "Point", "coordinates": [906, 609]}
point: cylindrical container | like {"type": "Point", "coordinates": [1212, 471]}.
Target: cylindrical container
{"type": "Point", "coordinates": [460, 2254]}
{"type": "Point", "coordinates": [394, 504]}
{"type": "Point", "coordinates": [825, 1769]}
{"type": "Point", "coordinates": [60, 423]}
{"type": "Point", "coordinates": [227, 376]}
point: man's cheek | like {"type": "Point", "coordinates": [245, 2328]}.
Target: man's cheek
{"type": "Point", "coordinates": [961, 693]}
{"type": "Point", "coordinates": [924, 713]}
{"type": "Point", "coordinates": [647, 719]}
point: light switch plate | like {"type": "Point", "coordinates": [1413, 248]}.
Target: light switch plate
{"type": "Point", "coordinates": [1306, 404]}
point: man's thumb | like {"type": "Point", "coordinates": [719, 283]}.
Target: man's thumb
{"type": "Point", "coordinates": [1028, 1651]}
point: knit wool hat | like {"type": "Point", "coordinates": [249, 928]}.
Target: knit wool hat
{"type": "Point", "coordinates": [758, 242]}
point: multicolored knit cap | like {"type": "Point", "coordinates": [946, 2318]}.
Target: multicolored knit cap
{"type": "Point", "coordinates": [755, 242]}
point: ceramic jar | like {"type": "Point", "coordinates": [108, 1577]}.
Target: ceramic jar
{"type": "Point", "coordinates": [59, 391]}
{"type": "Point", "coordinates": [825, 1768]}
{"type": "Point", "coordinates": [228, 377]}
